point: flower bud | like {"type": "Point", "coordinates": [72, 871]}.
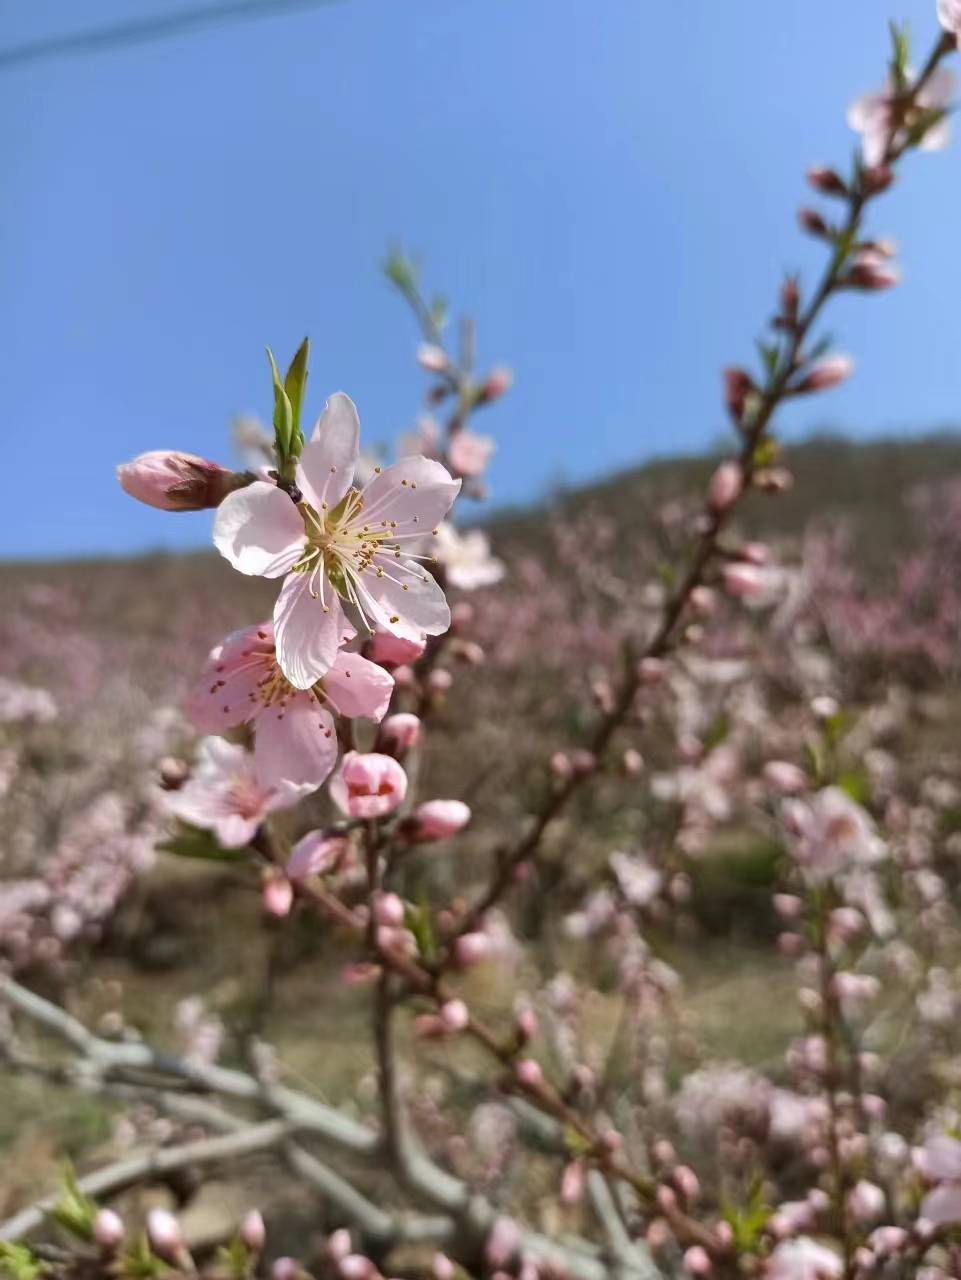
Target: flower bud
{"type": "Point", "coordinates": [866, 1201]}
{"type": "Point", "coordinates": [339, 1244]}
{"type": "Point", "coordinates": [785, 777]}
{"type": "Point", "coordinates": [744, 581]}
{"type": "Point", "coordinates": [633, 762]}
{"type": "Point", "coordinates": [163, 1232]}
{"type": "Point", "coordinates": [108, 1229]}
{"type": "Point", "coordinates": [871, 271]}
{"type": "Point", "coordinates": [811, 221]}
{"type": "Point", "coordinates": [253, 1233]}
{"type": "Point", "coordinates": [432, 358]}
{"type": "Point", "coordinates": [399, 733]}
{"type": "Point", "coordinates": [285, 1269]}
{"type": "Point", "coordinates": [651, 670]}
{"type": "Point", "coordinates": [390, 650]}
{"type": "Point", "coordinates": [826, 373]}
{"type": "Point", "coordinates": [437, 820]}
{"type": "Point", "coordinates": [442, 1268]}
{"type": "Point", "coordinates": [737, 387]}
{"type": "Point", "coordinates": [389, 910]}
{"type": "Point", "coordinates": [368, 785]}
{"type": "Point", "coordinates": [471, 948]}
{"type": "Point", "coordinates": [697, 1261]}
{"type": "Point", "coordinates": [877, 178]}
{"type": "Point", "coordinates": [572, 1183]}
{"type": "Point", "coordinates": [502, 1242]}
{"type": "Point", "coordinates": [529, 1073]}
{"type": "Point", "coordinates": [725, 486]}
{"type": "Point", "coordinates": [439, 680]}
{"type": "Point", "coordinates": [454, 1015]}
{"type": "Point", "coordinates": [176, 481]}
{"type": "Point", "coordinates": [173, 773]}
{"type": "Point", "coordinates": [276, 894]}
{"type": "Point", "coordinates": [497, 383]}
{"type": "Point", "coordinates": [826, 181]}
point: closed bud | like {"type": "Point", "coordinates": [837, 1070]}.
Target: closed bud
{"type": "Point", "coordinates": [651, 670]}
{"type": "Point", "coordinates": [471, 948]}
{"type": "Point", "coordinates": [811, 221]}
{"type": "Point", "coordinates": [442, 1268]}
{"type": "Point", "coordinates": [697, 1261]}
{"type": "Point", "coordinates": [399, 733]}
{"type": "Point", "coordinates": [276, 894]}
{"type": "Point", "coordinates": [497, 382]}
{"type": "Point", "coordinates": [177, 481]}
{"type": "Point", "coordinates": [725, 486]}
{"type": "Point", "coordinates": [737, 387]}
{"type": "Point", "coordinates": [389, 910]}
{"type": "Point", "coordinates": [826, 181]}
{"type": "Point", "coordinates": [163, 1232]}
{"type": "Point", "coordinates": [432, 358]}
{"type": "Point", "coordinates": [877, 178]}
{"type": "Point", "coordinates": [826, 373]}
{"type": "Point", "coordinates": [436, 820]}
{"type": "Point", "coordinates": [633, 763]}
{"type": "Point", "coordinates": [253, 1233]}
{"type": "Point", "coordinates": [173, 773]}
{"type": "Point", "coordinates": [108, 1229]}
{"type": "Point", "coordinates": [529, 1073]}
{"type": "Point", "coordinates": [454, 1015]}
{"type": "Point", "coordinates": [871, 271]}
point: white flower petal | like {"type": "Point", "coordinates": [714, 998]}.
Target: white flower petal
{"type": "Point", "coordinates": [259, 530]}
{"type": "Point", "coordinates": [295, 744]}
{"type": "Point", "coordinates": [307, 635]}
{"type": "Point", "coordinates": [327, 462]}
{"type": "Point", "coordinates": [406, 596]}
{"type": "Point", "coordinates": [415, 493]}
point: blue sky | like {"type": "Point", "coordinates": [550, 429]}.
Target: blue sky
{"type": "Point", "coordinates": [608, 185]}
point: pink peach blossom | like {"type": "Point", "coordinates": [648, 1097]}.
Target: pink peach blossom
{"type": "Point", "coordinates": [294, 735]}
{"type": "Point", "coordinates": [468, 453]}
{"type": "Point", "coordinates": [949, 15]}
{"type": "Point", "coordinates": [339, 546]}
{"type": "Point", "coordinates": [399, 733]}
{"type": "Point", "coordinates": [467, 558]}
{"type": "Point", "coordinates": [803, 1259]}
{"type": "Point", "coordinates": [316, 854]}
{"type": "Point", "coordinates": [725, 486]}
{"type": "Point", "coordinates": [873, 116]}
{"type": "Point", "coordinates": [390, 650]}
{"type": "Point", "coordinates": [225, 794]}
{"type": "Point", "coordinates": [368, 786]}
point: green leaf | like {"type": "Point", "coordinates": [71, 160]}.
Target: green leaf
{"type": "Point", "coordinates": [855, 784]}
{"type": "Point", "coordinates": [399, 270]}
{"type": "Point", "coordinates": [139, 1262]}
{"type": "Point", "coordinates": [195, 842]}
{"type": "Point", "coordinates": [18, 1263]}
{"type": "Point", "coordinates": [294, 384]}
{"type": "Point", "coordinates": [769, 357]}
{"type": "Point", "coordinates": [717, 730]}
{"type": "Point", "coordinates": [417, 920]}
{"type": "Point", "coordinates": [74, 1211]}
{"type": "Point", "coordinates": [438, 312]}
{"type": "Point", "coordinates": [765, 454]}
{"type": "Point", "coordinates": [900, 54]}
{"type": "Point", "coordinates": [283, 413]}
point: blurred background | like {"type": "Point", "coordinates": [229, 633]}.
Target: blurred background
{"type": "Point", "coordinates": [608, 185]}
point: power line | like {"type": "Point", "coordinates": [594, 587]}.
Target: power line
{"type": "Point", "coordinates": [146, 30]}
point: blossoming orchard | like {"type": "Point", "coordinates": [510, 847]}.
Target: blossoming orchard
{"type": "Point", "coordinates": [481, 900]}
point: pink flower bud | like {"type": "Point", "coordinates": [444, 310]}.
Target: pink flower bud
{"type": "Point", "coordinates": [583, 762]}
{"type": "Point", "coordinates": [285, 1269]}
{"type": "Point", "coordinates": [633, 763]}
{"type": "Point", "coordinates": [877, 178]}
{"type": "Point", "coordinates": [356, 1267]}
{"type": "Point", "coordinates": [697, 1262]}
{"type": "Point", "coordinates": [432, 358]}
{"type": "Point", "coordinates": [826, 373]}
{"type": "Point", "coordinates": [497, 383]}
{"type": "Point", "coordinates": [744, 581]}
{"type": "Point", "coordinates": [276, 894]}
{"type": "Point", "coordinates": [810, 220]}
{"type": "Point", "coordinates": [561, 766]}
{"type": "Point", "coordinates": [725, 486]}
{"type": "Point", "coordinates": [399, 733]}
{"type": "Point", "coordinates": [686, 1182]}
{"type": "Point", "coordinates": [368, 785]}
{"type": "Point", "coordinates": [845, 924]}
{"type": "Point", "coordinates": [442, 1268]}
{"type": "Point", "coordinates": [439, 680]}
{"type": "Point", "coordinates": [108, 1229]}
{"type": "Point", "coordinates": [658, 1235]}
{"type": "Point", "coordinates": [503, 1242]}
{"type": "Point", "coordinates": [438, 819]}
{"type": "Point", "coordinates": [666, 1200]}
{"type": "Point", "coordinates": [651, 670]}
{"type": "Point", "coordinates": [176, 481]}
{"type": "Point", "coordinates": [737, 387]}
{"type": "Point", "coordinates": [468, 454]}
{"type": "Point", "coordinates": [529, 1073]}
{"type": "Point", "coordinates": [454, 1015]}
{"type": "Point", "coordinates": [703, 601]}
{"type": "Point", "coordinates": [754, 553]}
{"type": "Point", "coordinates": [253, 1233]}
{"type": "Point", "coordinates": [173, 773]}
{"type": "Point", "coordinates": [871, 271]}
{"type": "Point", "coordinates": [390, 650]}
{"type": "Point", "coordinates": [389, 910]}
{"type": "Point", "coordinates": [826, 181]}
{"type": "Point", "coordinates": [525, 1024]}
{"type": "Point", "coordinates": [163, 1232]}
{"type": "Point", "coordinates": [339, 1244]}
{"type": "Point", "coordinates": [471, 948]}
{"type": "Point", "coordinates": [572, 1183]}
{"type": "Point", "coordinates": [788, 906]}
{"type": "Point", "coordinates": [785, 777]}
{"type": "Point", "coordinates": [866, 1201]}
